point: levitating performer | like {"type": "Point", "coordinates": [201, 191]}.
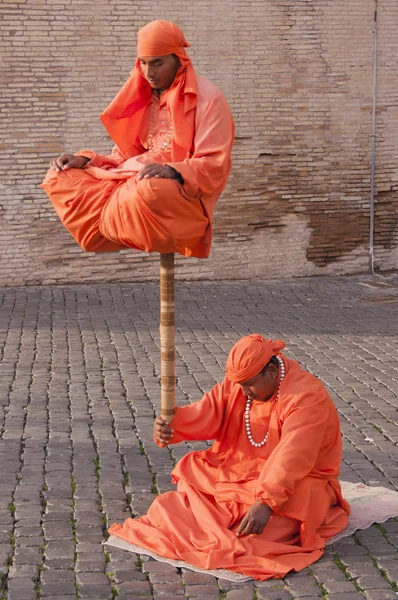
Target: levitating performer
{"type": "Point", "coordinates": [173, 134]}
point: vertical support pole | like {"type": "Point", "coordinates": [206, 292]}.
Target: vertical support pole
{"type": "Point", "coordinates": [167, 342]}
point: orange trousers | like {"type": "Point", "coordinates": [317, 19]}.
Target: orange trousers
{"type": "Point", "coordinates": [105, 215]}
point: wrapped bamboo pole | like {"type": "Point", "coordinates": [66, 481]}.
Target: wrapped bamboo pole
{"type": "Point", "coordinates": [167, 343]}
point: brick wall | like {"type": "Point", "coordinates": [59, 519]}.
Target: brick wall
{"type": "Point", "coordinates": [298, 76]}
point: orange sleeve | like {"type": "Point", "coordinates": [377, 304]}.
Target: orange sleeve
{"type": "Point", "coordinates": [114, 159]}
{"type": "Point", "coordinates": [208, 169]}
{"type": "Point", "coordinates": [201, 420]}
{"type": "Point", "coordinates": [294, 457]}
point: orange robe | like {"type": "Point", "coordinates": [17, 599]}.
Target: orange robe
{"type": "Point", "coordinates": [295, 473]}
{"type": "Point", "coordinates": [105, 207]}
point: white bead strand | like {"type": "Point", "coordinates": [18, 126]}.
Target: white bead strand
{"type": "Point", "coordinates": [248, 406]}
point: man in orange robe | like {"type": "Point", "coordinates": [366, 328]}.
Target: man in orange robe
{"type": "Point", "coordinates": [173, 134]}
{"type": "Point", "coordinates": [265, 498]}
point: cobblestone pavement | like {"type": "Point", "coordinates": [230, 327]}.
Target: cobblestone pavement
{"type": "Point", "coordinates": [79, 391]}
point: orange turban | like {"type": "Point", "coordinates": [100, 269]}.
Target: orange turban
{"type": "Point", "coordinates": [123, 117]}
{"type": "Point", "coordinates": [159, 38]}
{"type": "Point", "coordinates": [250, 355]}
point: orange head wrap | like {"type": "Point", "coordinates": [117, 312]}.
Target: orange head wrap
{"type": "Point", "coordinates": [250, 355]}
{"type": "Point", "coordinates": [159, 38]}
{"type": "Point", "coordinates": [123, 117]}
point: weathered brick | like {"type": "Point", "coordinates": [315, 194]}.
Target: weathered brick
{"type": "Point", "coordinates": [301, 96]}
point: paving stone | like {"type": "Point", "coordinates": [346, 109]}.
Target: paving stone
{"type": "Point", "coordinates": [272, 594]}
{"type": "Point", "coordinates": [28, 556]}
{"type": "Point", "coordinates": [84, 547]}
{"type": "Point", "coordinates": [210, 591]}
{"type": "Point", "coordinates": [95, 591]}
{"type": "Point", "coordinates": [346, 596]}
{"type": "Point", "coordinates": [390, 567]}
{"type": "Point", "coordinates": [54, 530]}
{"type": "Point", "coordinates": [29, 542]}
{"type": "Point", "coordinates": [99, 595]}
{"type": "Point", "coordinates": [378, 594]}
{"type": "Point", "coordinates": [302, 590]}
{"type": "Point", "coordinates": [127, 596]}
{"type": "Point", "coordinates": [60, 549]}
{"type": "Point", "coordinates": [53, 588]}
{"type": "Point", "coordinates": [90, 534]}
{"type": "Point", "coordinates": [164, 577]}
{"type": "Point", "coordinates": [62, 596]}
{"type": "Point", "coordinates": [390, 526]}
{"type": "Point", "coordinates": [327, 572]}
{"type": "Point", "coordinates": [21, 588]}
{"type": "Point", "coordinates": [170, 589]}
{"type": "Point", "coordinates": [84, 578]}
{"type": "Point", "coordinates": [361, 567]}
{"type": "Point", "coordinates": [24, 571]}
{"type": "Point", "coordinates": [26, 531]}
{"type": "Point", "coordinates": [21, 594]}
{"type": "Point", "coordinates": [375, 581]}
{"type": "Point", "coordinates": [193, 578]}
{"type": "Point", "coordinates": [159, 595]}
{"type": "Point", "coordinates": [339, 586]}
{"type": "Point", "coordinates": [152, 566]}
{"type": "Point", "coordinates": [59, 563]}
{"type": "Point", "coordinates": [125, 575]}
{"type": "Point", "coordinates": [57, 575]}
{"type": "Point", "coordinates": [135, 587]}
{"type": "Point", "coordinates": [247, 587]}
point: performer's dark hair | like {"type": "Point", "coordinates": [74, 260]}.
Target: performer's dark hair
{"type": "Point", "coordinates": [273, 361]}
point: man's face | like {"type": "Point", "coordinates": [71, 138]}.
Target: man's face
{"type": "Point", "coordinates": [261, 386]}
{"type": "Point", "coordinates": [159, 71]}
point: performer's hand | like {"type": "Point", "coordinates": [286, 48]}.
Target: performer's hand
{"type": "Point", "coordinates": [162, 431]}
{"type": "Point", "coordinates": [255, 520]}
{"type": "Point", "coordinates": [68, 161]}
{"type": "Point", "coordinates": [155, 170]}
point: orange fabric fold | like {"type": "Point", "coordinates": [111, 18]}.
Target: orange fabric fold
{"type": "Point", "coordinates": [249, 355]}
{"type": "Point", "coordinates": [295, 473]}
{"type": "Point", "coordinates": [124, 115]}
{"type": "Point", "coordinates": [104, 215]}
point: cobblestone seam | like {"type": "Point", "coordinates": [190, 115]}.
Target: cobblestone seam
{"type": "Point", "coordinates": [91, 557]}
{"type": "Point", "coordinates": [115, 503]}
{"type": "Point", "coordinates": [11, 446]}
{"type": "Point", "coordinates": [377, 544]}
{"type": "Point", "coordinates": [37, 430]}
{"type": "Point", "coordinates": [139, 431]}
{"type": "Point", "coordinates": [58, 575]}
{"type": "Point", "coordinates": [27, 506]}
{"type": "Point", "coordinates": [11, 349]}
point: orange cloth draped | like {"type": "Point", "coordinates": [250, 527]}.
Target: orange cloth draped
{"type": "Point", "coordinates": [295, 473]}
{"type": "Point", "coordinates": [105, 207]}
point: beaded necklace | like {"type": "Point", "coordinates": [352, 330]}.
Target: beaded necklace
{"type": "Point", "coordinates": [248, 406]}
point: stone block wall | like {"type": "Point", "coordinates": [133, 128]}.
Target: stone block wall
{"type": "Point", "coordinates": [298, 76]}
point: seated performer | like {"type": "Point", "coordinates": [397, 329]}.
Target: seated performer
{"type": "Point", "coordinates": [265, 498]}
{"type": "Point", "coordinates": [173, 134]}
